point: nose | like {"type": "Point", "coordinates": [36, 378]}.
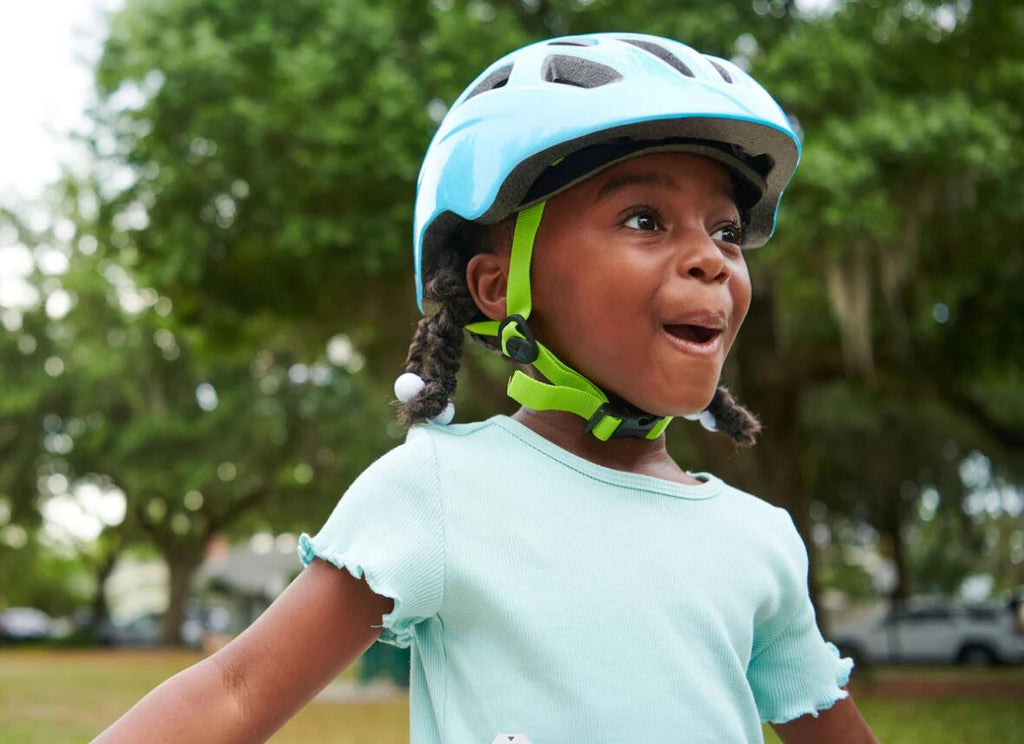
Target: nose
{"type": "Point", "coordinates": [701, 258]}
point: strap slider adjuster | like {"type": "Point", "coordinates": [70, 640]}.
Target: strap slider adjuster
{"type": "Point", "coordinates": [523, 350]}
{"type": "Point", "coordinates": [631, 425]}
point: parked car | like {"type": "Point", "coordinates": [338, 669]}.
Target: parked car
{"type": "Point", "coordinates": [144, 629]}
{"type": "Point", "coordinates": [141, 630]}
{"type": "Point", "coordinates": [940, 633]}
{"type": "Point", "coordinates": [25, 624]}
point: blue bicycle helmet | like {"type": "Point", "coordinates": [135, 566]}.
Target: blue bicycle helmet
{"type": "Point", "coordinates": [553, 113]}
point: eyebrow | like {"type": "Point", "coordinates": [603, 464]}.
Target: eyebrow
{"type": "Point", "coordinates": [651, 179]}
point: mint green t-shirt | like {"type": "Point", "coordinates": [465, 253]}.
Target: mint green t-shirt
{"type": "Point", "coordinates": [544, 595]}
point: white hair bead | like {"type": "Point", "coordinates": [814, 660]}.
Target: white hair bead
{"type": "Point", "coordinates": [445, 417]}
{"type": "Point", "coordinates": [408, 386]}
{"type": "Point", "coordinates": [707, 420]}
{"type": "Point", "coordinates": [692, 416]}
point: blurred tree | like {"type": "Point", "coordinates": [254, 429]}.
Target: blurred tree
{"type": "Point", "coordinates": [196, 435]}
{"type": "Point", "coordinates": [34, 575]}
{"type": "Point", "coordinates": [29, 394]}
{"type": "Point", "coordinates": [897, 263]}
{"type": "Point", "coordinates": [256, 165]}
{"type": "Point", "coordinates": [199, 437]}
{"type": "Point", "coordinates": [872, 458]}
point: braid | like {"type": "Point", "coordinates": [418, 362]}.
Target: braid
{"type": "Point", "coordinates": [418, 347]}
{"type": "Point", "coordinates": [733, 419]}
{"type": "Point", "coordinates": [436, 347]}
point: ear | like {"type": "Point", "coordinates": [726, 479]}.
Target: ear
{"type": "Point", "coordinates": [487, 280]}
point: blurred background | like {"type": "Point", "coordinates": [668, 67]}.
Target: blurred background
{"type": "Point", "coordinates": [206, 294]}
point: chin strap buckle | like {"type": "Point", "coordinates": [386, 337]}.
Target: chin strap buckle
{"type": "Point", "coordinates": [516, 339]}
{"type": "Point", "coordinates": [630, 424]}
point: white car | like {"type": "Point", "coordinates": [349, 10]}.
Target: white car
{"type": "Point", "coordinates": [25, 624]}
{"type": "Point", "coordinates": [973, 635]}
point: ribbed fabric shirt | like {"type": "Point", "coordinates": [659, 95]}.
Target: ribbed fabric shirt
{"type": "Point", "coordinates": [547, 596]}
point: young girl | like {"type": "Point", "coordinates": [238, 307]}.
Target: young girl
{"type": "Point", "coordinates": [582, 210]}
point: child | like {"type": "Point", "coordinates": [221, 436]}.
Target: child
{"type": "Point", "coordinates": [582, 210]}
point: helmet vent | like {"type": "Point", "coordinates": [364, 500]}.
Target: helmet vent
{"type": "Point", "coordinates": [495, 80]}
{"type": "Point", "coordinates": [661, 53]}
{"type": "Point", "coordinates": [571, 43]}
{"type": "Point", "coordinates": [583, 73]}
{"type": "Point", "coordinates": [721, 70]}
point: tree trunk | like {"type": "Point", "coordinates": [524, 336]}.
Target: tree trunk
{"type": "Point", "coordinates": [182, 565]}
{"type": "Point", "coordinates": [100, 607]}
{"type": "Point", "coordinates": [892, 528]}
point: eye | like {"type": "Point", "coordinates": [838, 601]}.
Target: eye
{"type": "Point", "coordinates": [731, 233]}
{"type": "Point", "coordinates": [644, 219]}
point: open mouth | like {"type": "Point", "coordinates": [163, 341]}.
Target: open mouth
{"type": "Point", "coordinates": [696, 334]}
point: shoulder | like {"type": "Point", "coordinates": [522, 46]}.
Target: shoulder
{"type": "Point", "coordinates": [459, 442]}
{"type": "Point", "coordinates": [765, 525]}
{"type": "Point", "coordinates": [418, 459]}
{"type": "Point", "coordinates": [410, 466]}
{"type": "Point", "coordinates": [409, 458]}
{"type": "Point", "coordinates": [424, 439]}
{"type": "Point", "coordinates": [756, 510]}
{"type": "Point", "coordinates": [778, 557]}
{"type": "Point", "coordinates": [470, 431]}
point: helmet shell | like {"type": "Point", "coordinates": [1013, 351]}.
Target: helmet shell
{"type": "Point", "coordinates": [550, 99]}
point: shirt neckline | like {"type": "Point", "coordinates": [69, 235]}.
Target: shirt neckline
{"type": "Point", "coordinates": [711, 486]}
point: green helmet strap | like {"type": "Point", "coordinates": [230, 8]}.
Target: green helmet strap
{"type": "Point", "coordinates": [568, 390]}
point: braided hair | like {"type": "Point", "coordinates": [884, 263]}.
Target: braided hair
{"type": "Point", "coordinates": [436, 349]}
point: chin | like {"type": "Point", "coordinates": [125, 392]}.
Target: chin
{"type": "Point", "coordinates": [678, 403]}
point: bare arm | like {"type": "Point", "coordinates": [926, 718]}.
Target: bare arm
{"type": "Point", "coordinates": [250, 688]}
{"type": "Point", "coordinates": [840, 724]}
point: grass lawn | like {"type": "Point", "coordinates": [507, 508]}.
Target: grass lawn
{"type": "Point", "coordinates": [57, 696]}
{"type": "Point", "coordinates": [70, 696]}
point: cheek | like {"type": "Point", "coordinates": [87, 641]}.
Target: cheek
{"type": "Point", "coordinates": [585, 302]}
{"type": "Point", "coordinates": [601, 288]}
{"type": "Point", "coordinates": [555, 291]}
{"type": "Point", "coordinates": [568, 295]}
{"type": "Point", "coordinates": [740, 289]}
{"type": "Point", "coordinates": [562, 272]}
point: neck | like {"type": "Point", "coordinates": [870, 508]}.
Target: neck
{"type": "Point", "coordinates": [631, 454]}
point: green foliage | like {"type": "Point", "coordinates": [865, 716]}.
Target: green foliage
{"type": "Point", "coordinates": [253, 180]}
{"type": "Point", "coordinates": [196, 435]}
{"type": "Point", "coordinates": [33, 576]}
{"type": "Point", "coordinates": [914, 161]}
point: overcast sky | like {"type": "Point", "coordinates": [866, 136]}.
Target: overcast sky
{"type": "Point", "coordinates": [46, 50]}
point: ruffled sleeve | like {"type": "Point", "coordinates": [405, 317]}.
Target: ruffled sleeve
{"type": "Point", "coordinates": [793, 670]}
{"type": "Point", "coordinates": [389, 527]}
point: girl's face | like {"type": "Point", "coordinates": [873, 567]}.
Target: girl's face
{"type": "Point", "coordinates": [639, 282]}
